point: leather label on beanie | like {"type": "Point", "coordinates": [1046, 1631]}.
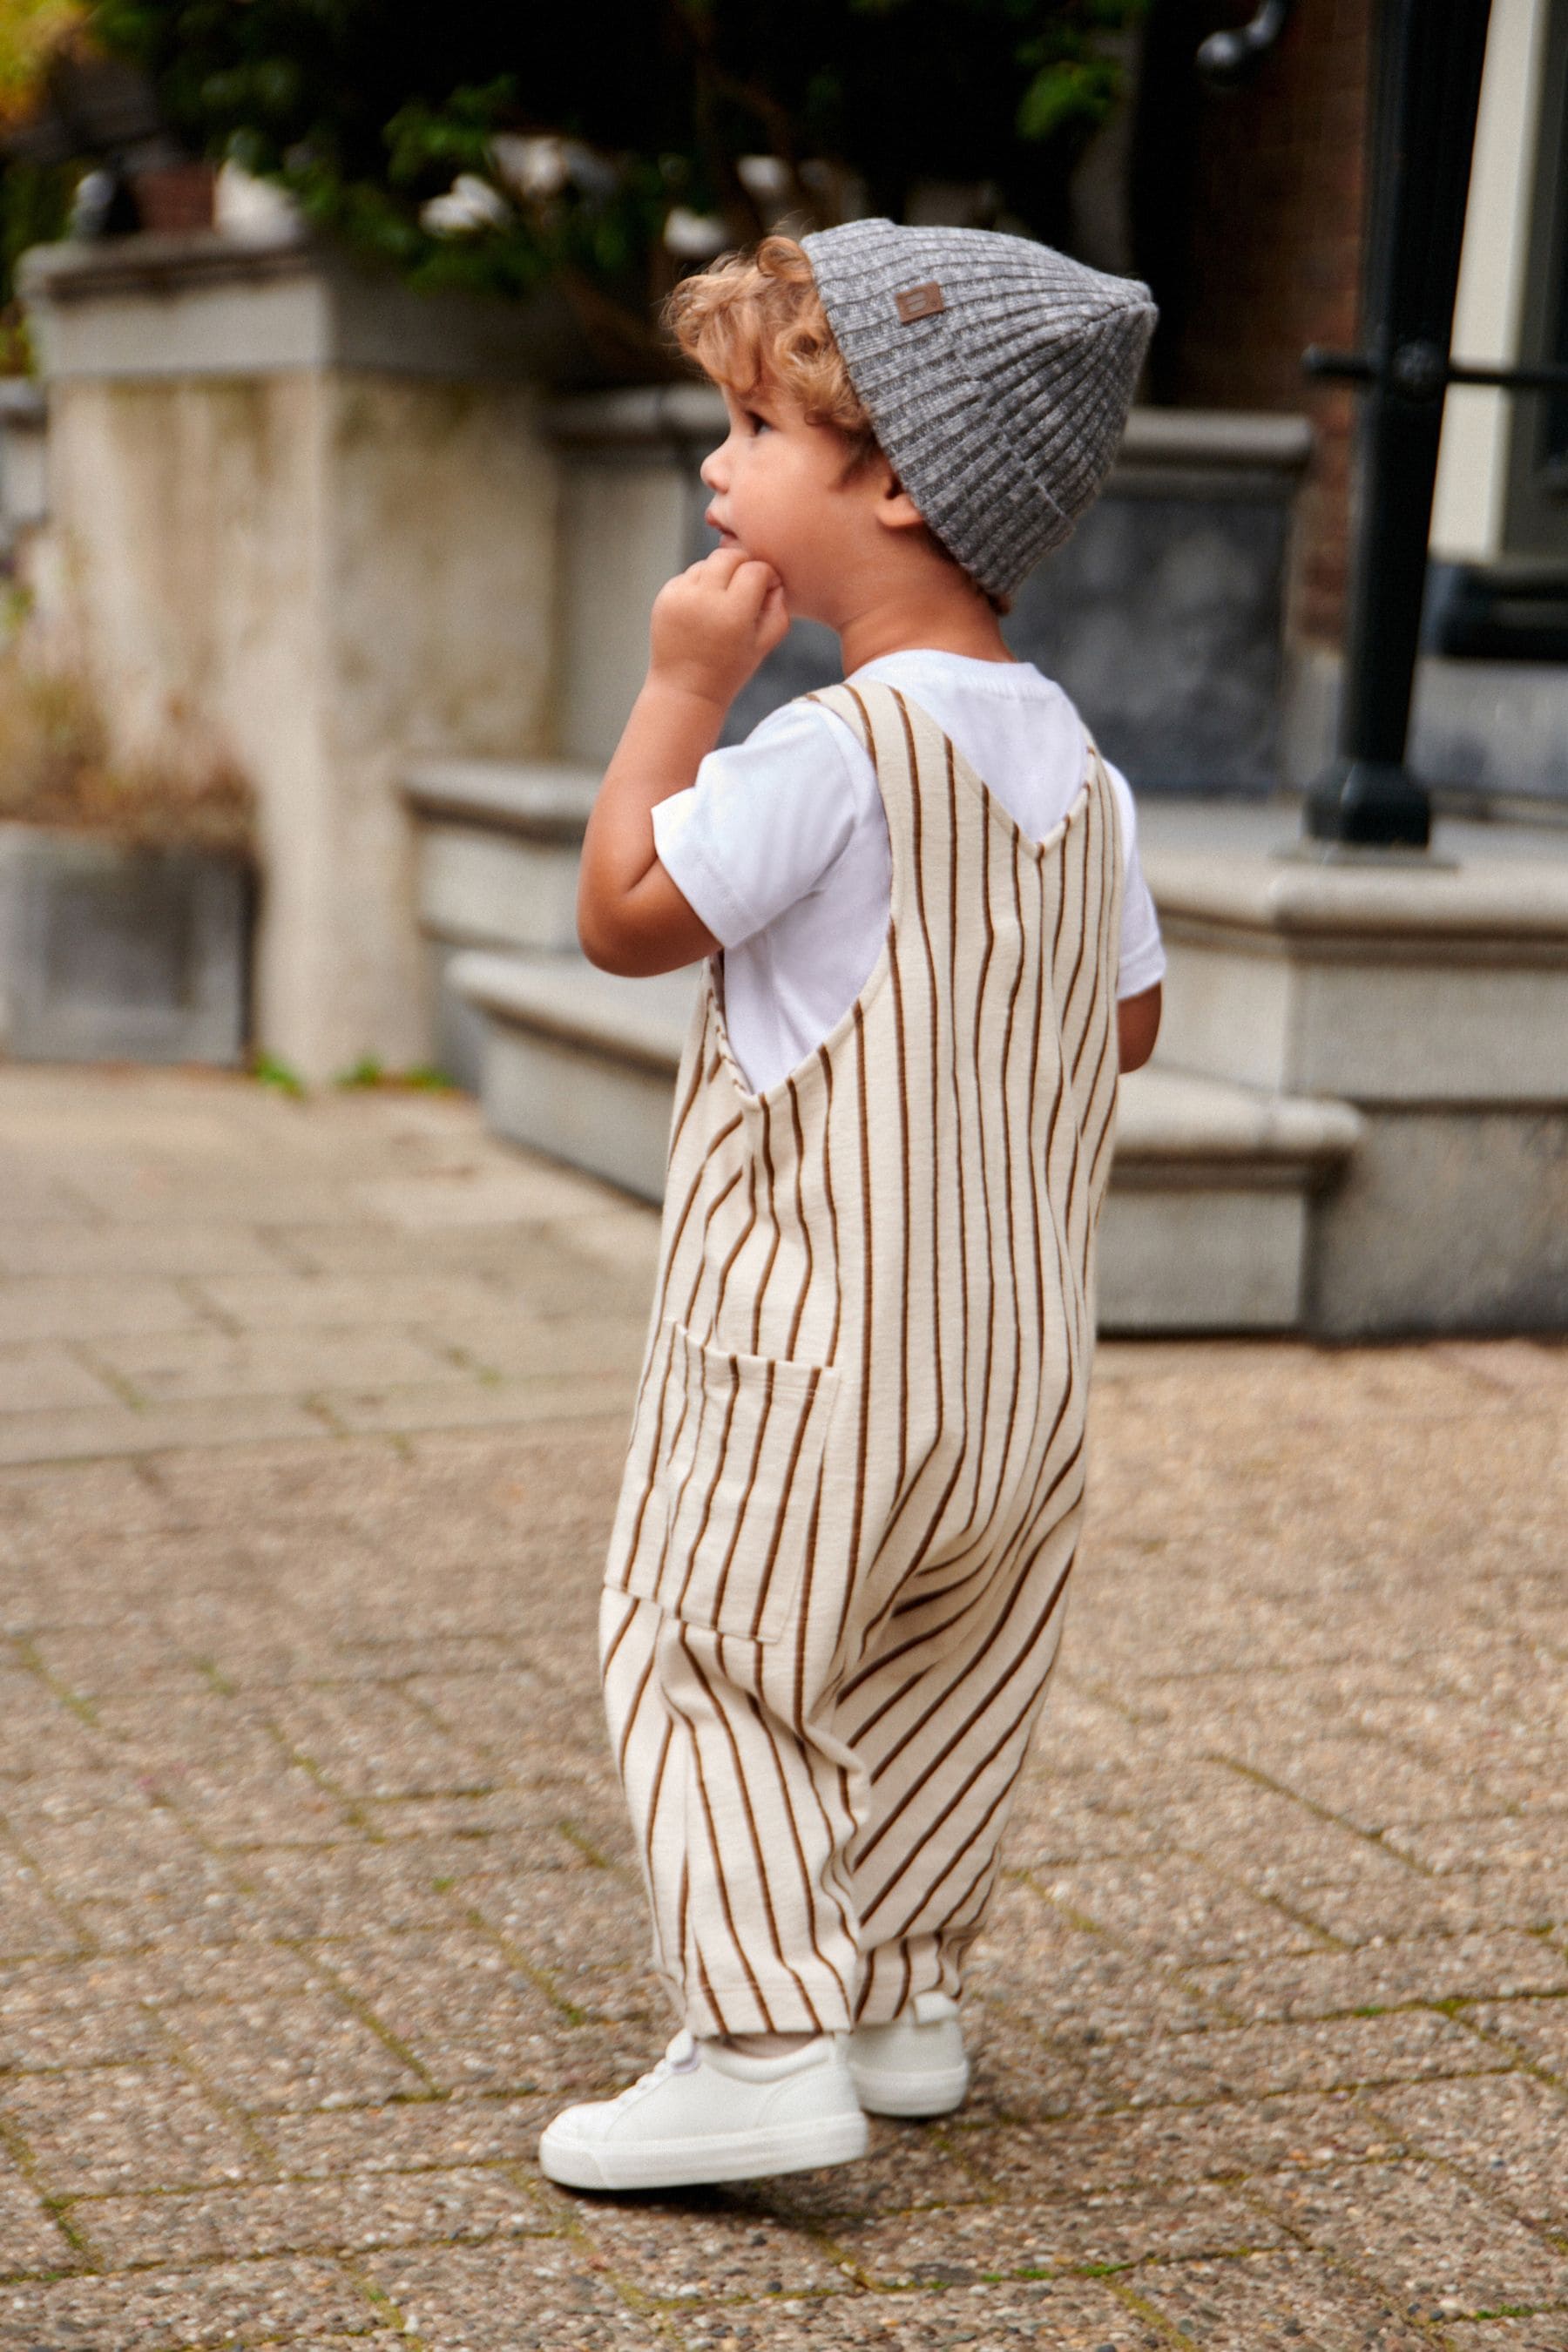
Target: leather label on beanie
{"type": "Point", "coordinates": [919, 302]}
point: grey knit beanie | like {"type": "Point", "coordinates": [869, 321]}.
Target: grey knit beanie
{"type": "Point", "coordinates": [996, 372]}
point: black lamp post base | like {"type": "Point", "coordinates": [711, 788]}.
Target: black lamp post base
{"type": "Point", "coordinates": [1369, 805]}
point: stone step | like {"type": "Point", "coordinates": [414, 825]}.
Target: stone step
{"type": "Point", "coordinates": [498, 842]}
{"type": "Point", "coordinates": [1206, 1225]}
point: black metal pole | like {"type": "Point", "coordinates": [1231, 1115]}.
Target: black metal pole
{"type": "Point", "coordinates": [1426, 88]}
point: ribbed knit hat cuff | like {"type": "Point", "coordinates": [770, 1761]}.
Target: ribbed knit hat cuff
{"type": "Point", "coordinates": [996, 372]}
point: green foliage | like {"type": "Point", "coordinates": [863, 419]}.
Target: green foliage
{"type": "Point", "coordinates": [573, 132]}
{"type": "Point", "coordinates": [422, 1078]}
{"type": "Point", "coordinates": [268, 1071]}
{"type": "Point", "coordinates": [34, 205]}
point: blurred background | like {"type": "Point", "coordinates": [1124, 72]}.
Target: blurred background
{"type": "Point", "coordinates": [339, 462]}
{"type": "Point", "coordinates": [341, 458]}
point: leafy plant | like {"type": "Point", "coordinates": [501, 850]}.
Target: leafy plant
{"type": "Point", "coordinates": [34, 198]}
{"type": "Point", "coordinates": [268, 1071]}
{"type": "Point", "coordinates": [602, 147]}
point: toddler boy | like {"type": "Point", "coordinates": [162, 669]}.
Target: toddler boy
{"type": "Point", "coordinates": [854, 1483]}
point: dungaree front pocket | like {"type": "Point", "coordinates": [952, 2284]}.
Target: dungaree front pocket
{"type": "Point", "coordinates": [733, 1477]}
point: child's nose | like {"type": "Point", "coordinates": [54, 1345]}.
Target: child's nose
{"type": "Point", "coordinates": [710, 470]}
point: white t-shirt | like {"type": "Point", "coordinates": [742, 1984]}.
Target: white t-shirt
{"type": "Point", "coordinates": [781, 844]}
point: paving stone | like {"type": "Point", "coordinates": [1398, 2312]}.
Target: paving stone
{"type": "Point", "coordinates": [115, 1429]}
{"type": "Point", "coordinates": [514, 1347]}
{"type": "Point", "coordinates": [1228, 2138]}
{"type": "Point", "coordinates": [1492, 1842]}
{"type": "Point", "coordinates": [166, 1368]}
{"type": "Point", "coordinates": [107, 2128]}
{"type": "Point", "coordinates": [49, 1378]}
{"type": "Point", "coordinates": [32, 1197]}
{"type": "Point", "coordinates": [1271, 2300]}
{"type": "Point", "coordinates": [125, 1850]}
{"type": "Point", "coordinates": [958, 2245]}
{"type": "Point", "coordinates": [1174, 1910]}
{"type": "Point", "coordinates": [1426, 1969]}
{"type": "Point", "coordinates": [583, 1396]}
{"type": "Point", "coordinates": [907, 2169]}
{"type": "Point", "coordinates": [1256, 2060]}
{"type": "Point", "coordinates": [700, 2245]}
{"type": "Point", "coordinates": [161, 2311]}
{"type": "Point", "coordinates": [508, 2299]}
{"type": "Point", "coordinates": [1506, 2131]}
{"type": "Point", "coordinates": [86, 2014]}
{"type": "Point", "coordinates": [1066, 2314]}
{"type": "Point", "coordinates": [352, 1888]}
{"type": "Point", "coordinates": [293, 2051]}
{"type": "Point", "coordinates": [30, 2238]}
{"type": "Point", "coordinates": [375, 1743]}
{"type": "Point", "coordinates": [1278, 1813]}
{"type": "Point", "coordinates": [258, 1302]}
{"type": "Point", "coordinates": [285, 1805]}
{"type": "Point", "coordinates": [1019, 2075]}
{"type": "Point", "coordinates": [1548, 2332]}
{"type": "Point", "coordinates": [476, 1190]}
{"type": "Point", "coordinates": [169, 1733]}
{"type": "Point", "coordinates": [1439, 2248]}
{"type": "Point", "coordinates": [67, 1307]}
{"type": "Point", "coordinates": [137, 1652]}
{"type": "Point", "coordinates": [309, 2216]}
{"type": "Point", "coordinates": [417, 2136]}
{"type": "Point", "coordinates": [1078, 1984]}
{"type": "Point", "coordinates": [30, 1924]}
{"type": "Point", "coordinates": [1452, 1905]}
{"type": "Point", "coordinates": [186, 1247]}
{"type": "Point", "coordinates": [472, 2021]}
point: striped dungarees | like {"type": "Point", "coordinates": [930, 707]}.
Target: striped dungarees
{"type": "Point", "coordinates": [855, 1477]}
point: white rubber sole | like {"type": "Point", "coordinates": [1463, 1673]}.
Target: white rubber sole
{"type": "Point", "coordinates": [936, 2091]}
{"type": "Point", "coordinates": [695, 2161]}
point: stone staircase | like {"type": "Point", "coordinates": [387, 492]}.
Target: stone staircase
{"type": "Point", "coordinates": [1206, 1224]}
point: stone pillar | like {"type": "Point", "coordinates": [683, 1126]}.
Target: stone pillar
{"type": "Point", "coordinates": [304, 521]}
{"type": "Point", "coordinates": [1434, 999]}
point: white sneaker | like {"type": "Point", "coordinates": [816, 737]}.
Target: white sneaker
{"type": "Point", "coordinates": [916, 2066]}
{"type": "Point", "coordinates": [706, 2113]}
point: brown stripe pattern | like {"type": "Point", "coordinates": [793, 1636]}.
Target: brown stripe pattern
{"type": "Point", "coordinates": [855, 1477]}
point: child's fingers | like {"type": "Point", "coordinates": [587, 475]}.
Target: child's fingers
{"type": "Point", "coordinates": [723, 564]}
{"type": "Point", "coordinates": [753, 583]}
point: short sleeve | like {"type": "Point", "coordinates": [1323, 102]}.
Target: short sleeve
{"type": "Point", "coordinates": [764, 821]}
{"type": "Point", "coordinates": [1142, 951]}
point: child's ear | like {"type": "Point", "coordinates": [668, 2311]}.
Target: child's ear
{"type": "Point", "coordinates": [895, 507]}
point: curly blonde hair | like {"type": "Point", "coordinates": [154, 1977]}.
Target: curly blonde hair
{"type": "Point", "coordinates": [754, 322]}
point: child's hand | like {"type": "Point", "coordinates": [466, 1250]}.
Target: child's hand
{"type": "Point", "coordinates": [715, 623]}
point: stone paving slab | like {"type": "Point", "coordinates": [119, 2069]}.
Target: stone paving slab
{"type": "Point", "coordinates": [316, 1896]}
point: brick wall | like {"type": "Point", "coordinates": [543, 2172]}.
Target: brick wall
{"type": "Point", "coordinates": [1273, 264]}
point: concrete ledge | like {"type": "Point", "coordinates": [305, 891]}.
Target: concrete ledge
{"type": "Point", "coordinates": [538, 800]}
{"type": "Point", "coordinates": [643, 418]}
{"type": "Point", "coordinates": [208, 302]}
{"type": "Point", "coordinates": [1195, 1258]}
{"type": "Point", "coordinates": [1374, 985]}
{"type": "Point", "coordinates": [642, 1022]}
{"type": "Point", "coordinates": [1274, 906]}
{"type": "Point", "coordinates": [1175, 1131]}
{"type": "Point", "coordinates": [1205, 1226]}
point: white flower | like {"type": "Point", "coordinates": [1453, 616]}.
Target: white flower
{"type": "Point", "coordinates": [765, 177]}
{"type": "Point", "coordinates": [694, 236]}
{"type": "Point", "coordinates": [531, 167]}
{"type": "Point", "coordinates": [469, 203]}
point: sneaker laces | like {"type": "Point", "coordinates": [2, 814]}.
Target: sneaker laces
{"type": "Point", "coordinates": [681, 2058]}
